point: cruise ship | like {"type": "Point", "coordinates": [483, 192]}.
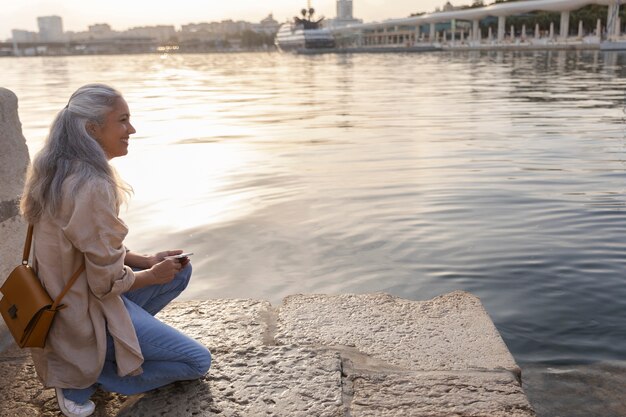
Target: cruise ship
{"type": "Point", "coordinates": [304, 34]}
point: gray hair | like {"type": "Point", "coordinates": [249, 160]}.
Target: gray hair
{"type": "Point", "coordinates": [70, 152]}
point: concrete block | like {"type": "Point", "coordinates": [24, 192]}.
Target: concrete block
{"type": "Point", "coordinates": [450, 332]}
{"type": "Point", "coordinates": [14, 160]}
{"type": "Point", "coordinates": [14, 156]}
{"type": "Point", "coordinates": [438, 394]}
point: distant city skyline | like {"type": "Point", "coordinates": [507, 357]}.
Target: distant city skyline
{"type": "Point", "coordinates": [121, 15]}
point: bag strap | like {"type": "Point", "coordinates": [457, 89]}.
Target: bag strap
{"type": "Point", "coordinates": [27, 244]}
{"type": "Point", "coordinates": [69, 284]}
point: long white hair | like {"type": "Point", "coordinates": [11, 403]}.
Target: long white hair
{"type": "Point", "coordinates": [70, 150]}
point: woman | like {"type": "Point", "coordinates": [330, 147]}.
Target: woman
{"type": "Point", "coordinates": [107, 336]}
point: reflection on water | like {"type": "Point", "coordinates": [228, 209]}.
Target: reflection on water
{"type": "Point", "coordinates": [500, 173]}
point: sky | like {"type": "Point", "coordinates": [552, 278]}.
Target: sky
{"type": "Point", "coordinates": [121, 14]}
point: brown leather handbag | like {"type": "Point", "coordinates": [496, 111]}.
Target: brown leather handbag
{"type": "Point", "coordinates": [26, 307]}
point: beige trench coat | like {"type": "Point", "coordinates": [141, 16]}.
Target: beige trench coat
{"type": "Point", "coordinates": [87, 228]}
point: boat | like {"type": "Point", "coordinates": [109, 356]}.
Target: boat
{"type": "Point", "coordinates": [304, 34]}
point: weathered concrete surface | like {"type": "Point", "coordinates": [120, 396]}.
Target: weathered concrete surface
{"type": "Point", "coordinates": [452, 332]}
{"type": "Point", "coordinates": [14, 155]}
{"type": "Point", "coordinates": [438, 394]}
{"type": "Point", "coordinates": [317, 355]}
{"type": "Point", "coordinates": [14, 160]}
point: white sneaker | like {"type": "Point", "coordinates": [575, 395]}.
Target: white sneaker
{"type": "Point", "coordinates": [71, 409]}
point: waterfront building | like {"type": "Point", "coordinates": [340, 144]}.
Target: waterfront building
{"type": "Point", "coordinates": [344, 15]}
{"type": "Point", "coordinates": [18, 35]}
{"type": "Point", "coordinates": [344, 9]}
{"type": "Point", "coordinates": [199, 33]}
{"type": "Point", "coordinates": [199, 27]}
{"type": "Point", "coordinates": [50, 28]}
{"type": "Point", "coordinates": [465, 27]}
{"type": "Point", "coordinates": [160, 33]}
{"type": "Point", "coordinates": [229, 27]}
{"type": "Point", "coordinates": [100, 31]}
{"type": "Point", "coordinates": [268, 25]}
{"type": "Point", "coordinates": [225, 27]}
{"type": "Point", "coordinates": [100, 38]}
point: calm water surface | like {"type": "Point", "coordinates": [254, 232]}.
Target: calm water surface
{"type": "Point", "coordinates": [503, 174]}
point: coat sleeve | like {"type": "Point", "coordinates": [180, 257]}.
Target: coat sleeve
{"type": "Point", "coordinates": [95, 229]}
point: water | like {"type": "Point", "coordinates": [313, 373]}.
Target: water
{"type": "Point", "coordinates": [499, 173]}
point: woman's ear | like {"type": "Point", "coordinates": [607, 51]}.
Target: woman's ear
{"type": "Point", "coordinates": [91, 128]}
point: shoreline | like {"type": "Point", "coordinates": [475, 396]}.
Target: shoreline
{"type": "Point", "coordinates": [518, 45]}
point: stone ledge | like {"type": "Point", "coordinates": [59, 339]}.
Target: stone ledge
{"type": "Point", "coordinates": [450, 332]}
{"type": "Point", "coordinates": [494, 394]}
{"type": "Point", "coordinates": [14, 156]}
{"type": "Point", "coordinates": [318, 355]}
{"type": "Point", "coordinates": [14, 160]}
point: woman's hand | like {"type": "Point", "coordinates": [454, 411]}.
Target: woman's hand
{"type": "Point", "coordinates": [159, 257]}
{"type": "Point", "coordinates": [165, 270]}
{"type": "Point", "coordinates": [158, 268]}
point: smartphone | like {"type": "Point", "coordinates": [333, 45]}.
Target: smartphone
{"type": "Point", "coordinates": [181, 256]}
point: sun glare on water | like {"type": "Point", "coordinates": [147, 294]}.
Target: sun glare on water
{"type": "Point", "coordinates": [190, 183]}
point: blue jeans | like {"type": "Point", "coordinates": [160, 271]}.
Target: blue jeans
{"type": "Point", "coordinates": [169, 355]}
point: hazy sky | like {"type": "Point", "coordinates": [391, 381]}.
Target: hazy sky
{"type": "Point", "coordinates": [122, 14]}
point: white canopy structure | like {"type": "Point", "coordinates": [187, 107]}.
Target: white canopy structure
{"type": "Point", "coordinates": [499, 10]}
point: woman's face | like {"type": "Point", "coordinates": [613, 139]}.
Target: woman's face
{"type": "Point", "coordinates": [114, 133]}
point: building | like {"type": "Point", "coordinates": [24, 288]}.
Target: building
{"type": "Point", "coordinates": [199, 33]}
{"type": "Point", "coordinates": [161, 33]}
{"type": "Point", "coordinates": [344, 10]}
{"type": "Point", "coordinates": [24, 36]}
{"type": "Point", "coordinates": [100, 31]}
{"type": "Point", "coordinates": [463, 27]}
{"type": "Point", "coordinates": [344, 15]}
{"type": "Point", "coordinates": [268, 25]}
{"type": "Point", "coordinates": [229, 27]}
{"type": "Point", "coordinates": [50, 28]}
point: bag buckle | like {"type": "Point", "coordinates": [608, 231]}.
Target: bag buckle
{"type": "Point", "coordinates": [13, 311]}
